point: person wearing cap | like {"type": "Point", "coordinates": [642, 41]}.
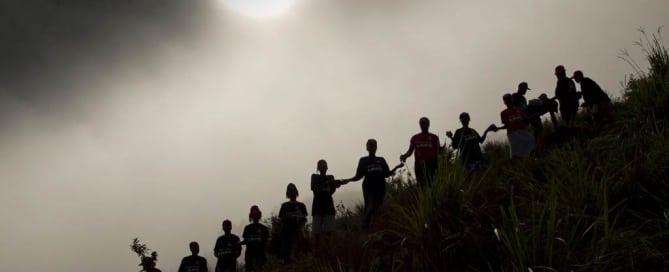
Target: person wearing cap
{"type": "Point", "coordinates": [515, 122]}
{"type": "Point", "coordinates": [227, 249]}
{"type": "Point", "coordinates": [374, 170]}
{"type": "Point", "coordinates": [293, 216]}
{"type": "Point", "coordinates": [194, 262]}
{"type": "Point", "coordinates": [519, 99]}
{"type": "Point", "coordinates": [425, 147]}
{"type": "Point", "coordinates": [468, 141]}
{"type": "Point", "coordinates": [594, 98]}
{"type": "Point", "coordinates": [565, 93]}
{"type": "Point", "coordinates": [255, 238]}
{"type": "Point", "coordinates": [538, 107]}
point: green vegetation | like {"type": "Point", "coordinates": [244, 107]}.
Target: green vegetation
{"type": "Point", "coordinates": [598, 202]}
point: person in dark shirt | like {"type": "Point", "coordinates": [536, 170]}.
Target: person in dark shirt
{"type": "Point", "coordinates": [194, 262]}
{"type": "Point", "coordinates": [521, 142]}
{"type": "Point", "coordinates": [468, 141]}
{"type": "Point", "coordinates": [565, 93]}
{"type": "Point", "coordinates": [255, 238]}
{"type": "Point", "coordinates": [594, 98]}
{"type": "Point", "coordinates": [375, 171]}
{"type": "Point", "coordinates": [293, 216]}
{"type": "Point", "coordinates": [227, 249]}
{"type": "Point", "coordinates": [323, 209]}
{"type": "Point", "coordinates": [519, 99]}
{"type": "Point", "coordinates": [538, 107]}
{"type": "Point", "coordinates": [425, 147]}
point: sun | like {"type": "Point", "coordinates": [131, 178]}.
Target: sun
{"type": "Point", "coordinates": [259, 8]}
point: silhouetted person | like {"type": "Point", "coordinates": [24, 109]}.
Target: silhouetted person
{"type": "Point", "coordinates": [538, 107]}
{"type": "Point", "coordinates": [149, 264]}
{"type": "Point", "coordinates": [425, 147]}
{"type": "Point", "coordinates": [227, 249]}
{"type": "Point", "coordinates": [293, 216]}
{"type": "Point", "coordinates": [322, 208]}
{"type": "Point", "coordinates": [194, 262]}
{"type": "Point", "coordinates": [565, 93]}
{"type": "Point", "coordinates": [515, 121]}
{"type": "Point", "coordinates": [375, 171]}
{"type": "Point", "coordinates": [255, 238]}
{"type": "Point", "coordinates": [595, 99]}
{"type": "Point", "coordinates": [468, 141]}
{"type": "Point", "coordinates": [519, 99]}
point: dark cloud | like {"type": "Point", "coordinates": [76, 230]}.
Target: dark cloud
{"type": "Point", "coordinates": [49, 47]}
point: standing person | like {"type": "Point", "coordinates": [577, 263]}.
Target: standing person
{"type": "Point", "coordinates": [538, 107]}
{"type": "Point", "coordinates": [519, 99]}
{"type": "Point", "coordinates": [293, 216]}
{"type": "Point", "coordinates": [515, 121]}
{"type": "Point", "coordinates": [227, 249]}
{"type": "Point", "coordinates": [565, 93]}
{"type": "Point", "coordinates": [322, 208]}
{"type": "Point", "coordinates": [375, 171]}
{"type": "Point", "coordinates": [595, 99]}
{"type": "Point", "coordinates": [194, 262]}
{"type": "Point", "coordinates": [255, 238]}
{"type": "Point", "coordinates": [468, 141]}
{"type": "Point", "coordinates": [426, 146]}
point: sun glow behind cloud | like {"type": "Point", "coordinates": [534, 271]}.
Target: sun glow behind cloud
{"type": "Point", "coordinates": [259, 8]}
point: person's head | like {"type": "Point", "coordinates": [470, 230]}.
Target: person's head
{"type": "Point", "coordinates": [578, 76]}
{"type": "Point", "coordinates": [291, 191]}
{"type": "Point", "coordinates": [424, 124]}
{"type": "Point", "coordinates": [227, 226]}
{"type": "Point", "coordinates": [255, 214]}
{"type": "Point", "coordinates": [560, 72]}
{"type": "Point", "coordinates": [508, 100]}
{"type": "Point", "coordinates": [522, 88]}
{"type": "Point", "coordinates": [543, 97]}
{"type": "Point", "coordinates": [194, 247]}
{"type": "Point", "coordinates": [464, 119]}
{"type": "Point", "coordinates": [322, 166]}
{"type": "Point", "coordinates": [371, 146]}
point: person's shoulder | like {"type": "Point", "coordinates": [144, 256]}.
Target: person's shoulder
{"type": "Point", "coordinates": [432, 135]}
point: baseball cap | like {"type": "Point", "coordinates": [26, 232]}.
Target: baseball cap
{"type": "Point", "coordinates": [523, 85]}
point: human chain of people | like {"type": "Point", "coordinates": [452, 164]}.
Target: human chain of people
{"type": "Point", "coordinates": [518, 118]}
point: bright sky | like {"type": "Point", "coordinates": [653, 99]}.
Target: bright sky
{"type": "Point", "coordinates": [162, 124]}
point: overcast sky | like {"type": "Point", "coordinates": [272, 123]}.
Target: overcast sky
{"type": "Point", "coordinates": [159, 118]}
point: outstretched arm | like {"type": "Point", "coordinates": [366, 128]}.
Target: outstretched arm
{"type": "Point", "coordinates": [492, 127]}
{"type": "Point", "coordinates": [407, 154]}
{"type": "Point", "coordinates": [392, 172]}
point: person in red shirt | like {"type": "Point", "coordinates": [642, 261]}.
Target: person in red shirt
{"type": "Point", "coordinates": [425, 147]}
{"type": "Point", "coordinates": [521, 141]}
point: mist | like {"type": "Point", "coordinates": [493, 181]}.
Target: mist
{"type": "Point", "coordinates": [159, 119]}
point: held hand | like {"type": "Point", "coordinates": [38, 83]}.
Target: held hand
{"type": "Point", "coordinates": [403, 158]}
{"type": "Point", "coordinates": [492, 128]}
{"type": "Point", "coordinates": [449, 134]}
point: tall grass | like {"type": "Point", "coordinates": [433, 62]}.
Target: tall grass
{"type": "Point", "coordinates": [595, 204]}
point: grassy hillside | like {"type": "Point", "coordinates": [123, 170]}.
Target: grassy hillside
{"type": "Point", "coordinates": [597, 200]}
